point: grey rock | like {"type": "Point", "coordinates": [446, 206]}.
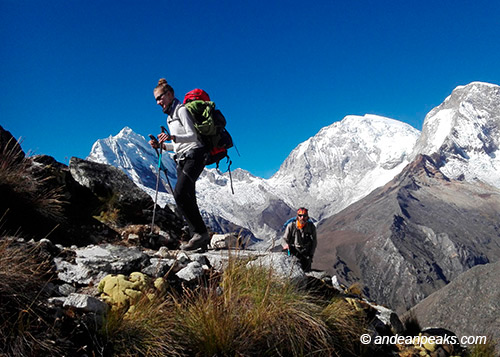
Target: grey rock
{"type": "Point", "coordinates": [192, 271]}
{"type": "Point", "coordinates": [85, 303]}
{"type": "Point", "coordinates": [158, 267]}
{"type": "Point", "coordinates": [94, 262]}
{"type": "Point", "coordinates": [65, 289]}
{"type": "Point", "coordinates": [57, 301]}
{"type": "Point", "coordinates": [468, 306]}
{"type": "Point", "coordinates": [113, 186]}
{"type": "Point", "coordinates": [281, 264]}
{"type": "Point", "coordinates": [389, 318]}
{"type": "Point", "coordinates": [224, 241]}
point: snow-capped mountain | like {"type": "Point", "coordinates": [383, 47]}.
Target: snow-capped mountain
{"type": "Point", "coordinates": [343, 163]}
{"type": "Point", "coordinates": [464, 133]}
{"type": "Point", "coordinates": [339, 165]}
{"type": "Point", "coordinates": [434, 220]}
{"type": "Point", "coordinates": [249, 207]}
{"type": "Point", "coordinates": [253, 204]}
{"type": "Point", "coordinates": [131, 153]}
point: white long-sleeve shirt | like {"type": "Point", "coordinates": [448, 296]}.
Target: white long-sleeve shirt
{"type": "Point", "coordinates": [180, 125]}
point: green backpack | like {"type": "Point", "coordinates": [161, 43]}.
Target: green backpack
{"type": "Point", "coordinates": [210, 124]}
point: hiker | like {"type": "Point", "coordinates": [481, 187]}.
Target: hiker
{"type": "Point", "coordinates": [300, 238]}
{"type": "Point", "coordinates": [190, 156]}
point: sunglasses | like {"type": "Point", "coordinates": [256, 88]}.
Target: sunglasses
{"type": "Point", "coordinates": [302, 215]}
{"type": "Point", "coordinates": [160, 96]}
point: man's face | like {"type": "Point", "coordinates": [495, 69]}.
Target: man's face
{"type": "Point", "coordinates": [302, 217]}
{"type": "Point", "coordinates": [163, 99]}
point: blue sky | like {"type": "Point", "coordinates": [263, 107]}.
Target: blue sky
{"type": "Point", "coordinates": [72, 72]}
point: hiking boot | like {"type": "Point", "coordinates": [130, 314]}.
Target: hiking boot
{"type": "Point", "coordinates": [198, 241]}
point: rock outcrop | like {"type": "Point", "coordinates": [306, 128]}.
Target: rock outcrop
{"type": "Point", "coordinates": [85, 203]}
{"type": "Point", "coordinates": [469, 305]}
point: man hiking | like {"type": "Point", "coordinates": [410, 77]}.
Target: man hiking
{"type": "Point", "coordinates": [190, 156]}
{"type": "Point", "coordinates": [300, 238]}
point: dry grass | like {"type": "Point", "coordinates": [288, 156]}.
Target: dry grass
{"type": "Point", "coordinates": [149, 330]}
{"type": "Point", "coordinates": [23, 192]}
{"type": "Point", "coordinates": [245, 311]}
{"type": "Point", "coordinates": [251, 312]}
{"type": "Point", "coordinates": [12, 165]}
{"type": "Point", "coordinates": [23, 275]}
{"type": "Point", "coordinates": [346, 325]}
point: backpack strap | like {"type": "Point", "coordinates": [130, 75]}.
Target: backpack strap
{"type": "Point", "coordinates": [175, 115]}
{"type": "Point", "coordinates": [293, 233]}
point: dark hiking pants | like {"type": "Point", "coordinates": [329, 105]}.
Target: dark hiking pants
{"type": "Point", "coordinates": [304, 258]}
{"type": "Point", "coordinates": [189, 169]}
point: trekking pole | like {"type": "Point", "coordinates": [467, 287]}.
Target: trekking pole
{"type": "Point", "coordinates": [162, 167]}
{"type": "Point", "coordinates": [164, 130]}
{"type": "Point", "coordinates": [157, 181]}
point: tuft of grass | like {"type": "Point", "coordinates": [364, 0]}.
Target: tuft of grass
{"type": "Point", "coordinates": [22, 191]}
{"type": "Point", "coordinates": [12, 165]}
{"type": "Point", "coordinates": [355, 289]}
{"type": "Point", "coordinates": [148, 330]}
{"type": "Point", "coordinates": [23, 276]}
{"type": "Point", "coordinates": [110, 216]}
{"type": "Point", "coordinates": [346, 325]}
{"type": "Point", "coordinates": [251, 311]}
{"type": "Point", "coordinates": [243, 311]}
{"type": "Point", "coordinates": [109, 212]}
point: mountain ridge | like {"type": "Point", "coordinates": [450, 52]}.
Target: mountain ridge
{"type": "Point", "coordinates": [341, 164]}
{"type": "Point", "coordinates": [415, 234]}
{"type": "Point", "coordinates": [279, 195]}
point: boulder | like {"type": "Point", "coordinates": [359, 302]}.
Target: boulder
{"type": "Point", "coordinates": [283, 265]}
{"type": "Point", "coordinates": [225, 241]}
{"type": "Point", "coordinates": [122, 203]}
{"type": "Point", "coordinates": [85, 303]}
{"type": "Point", "coordinates": [92, 263]}
{"type": "Point", "coordinates": [118, 194]}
